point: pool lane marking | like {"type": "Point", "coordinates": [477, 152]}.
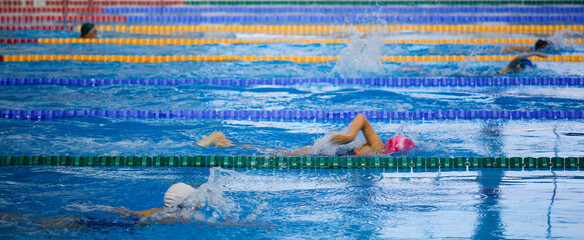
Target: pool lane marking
{"type": "Point", "coordinates": [300, 162]}
{"type": "Point", "coordinates": [170, 41]}
{"type": "Point", "coordinates": [296, 9]}
{"type": "Point", "coordinates": [60, 3]}
{"type": "Point", "coordinates": [310, 29]}
{"type": "Point", "coordinates": [276, 115]}
{"type": "Point", "coordinates": [254, 58]}
{"type": "Point", "coordinates": [337, 29]}
{"type": "Point", "coordinates": [386, 81]}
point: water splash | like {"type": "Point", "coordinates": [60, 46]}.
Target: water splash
{"type": "Point", "coordinates": [90, 208]}
{"type": "Point", "coordinates": [324, 145]}
{"type": "Point", "coordinates": [560, 37]}
{"type": "Point", "coordinates": [213, 202]}
{"type": "Point", "coordinates": [359, 57]}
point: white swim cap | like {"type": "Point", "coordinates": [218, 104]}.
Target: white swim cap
{"type": "Point", "coordinates": [176, 194]}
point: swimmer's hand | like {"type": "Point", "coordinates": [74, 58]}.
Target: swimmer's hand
{"type": "Point", "coordinates": [342, 138]}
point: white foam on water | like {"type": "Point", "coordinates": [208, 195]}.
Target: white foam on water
{"type": "Point", "coordinates": [211, 202]}
{"type": "Point", "coordinates": [90, 208]}
{"type": "Point", "coordinates": [559, 38]}
{"type": "Point", "coordinates": [324, 145]}
{"type": "Point", "coordinates": [359, 57]}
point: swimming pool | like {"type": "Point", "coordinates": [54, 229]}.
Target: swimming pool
{"type": "Point", "coordinates": [490, 203]}
{"type": "Point", "coordinates": [132, 97]}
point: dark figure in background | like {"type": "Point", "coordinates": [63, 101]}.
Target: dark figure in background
{"type": "Point", "coordinates": [540, 44]}
{"type": "Point", "coordinates": [88, 30]}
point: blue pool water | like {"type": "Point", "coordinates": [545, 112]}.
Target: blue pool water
{"type": "Point", "coordinates": [65, 202]}
{"type": "Point", "coordinates": [62, 202]}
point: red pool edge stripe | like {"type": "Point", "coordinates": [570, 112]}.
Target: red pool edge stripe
{"type": "Point", "coordinates": [109, 18]}
{"type": "Point", "coordinates": [46, 28]}
{"type": "Point", "coordinates": [18, 40]}
{"type": "Point", "coordinates": [30, 3]}
{"type": "Point", "coordinates": [50, 9]}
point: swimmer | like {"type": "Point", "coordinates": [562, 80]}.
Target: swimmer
{"type": "Point", "coordinates": [540, 44]}
{"type": "Point", "coordinates": [173, 197]}
{"type": "Point", "coordinates": [88, 30]}
{"type": "Point", "coordinates": [373, 145]}
{"type": "Point", "coordinates": [521, 62]}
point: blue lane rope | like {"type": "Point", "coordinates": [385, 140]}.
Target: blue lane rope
{"type": "Point", "coordinates": [571, 19]}
{"type": "Point", "coordinates": [390, 81]}
{"type": "Point", "coordinates": [292, 114]}
{"type": "Point", "coordinates": [341, 10]}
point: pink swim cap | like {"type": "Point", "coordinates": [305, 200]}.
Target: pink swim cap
{"type": "Point", "coordinates": [398, 143]}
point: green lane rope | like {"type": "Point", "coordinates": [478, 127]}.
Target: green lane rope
{"type": "Point", "coordinates": [307, 162]}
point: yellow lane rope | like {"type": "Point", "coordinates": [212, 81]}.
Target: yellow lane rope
{"type": "Point", "coordinates": [133, 41]}
{"type": "Point", "coordinates": [298, 59]}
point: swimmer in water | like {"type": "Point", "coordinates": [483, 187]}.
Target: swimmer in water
{"type": "Point", "coordinates": [540, 44]}
{"type": "Point", "coordinates": [88, 30]}
{"type": "Point", "coordinates": [521, 62]}
{"type": "Point", "coordinates": [373, 145]}
{"type": "Point", "coordinates": [173, 197]}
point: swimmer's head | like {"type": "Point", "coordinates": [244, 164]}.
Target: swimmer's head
{"type": "Point", "coordinates": [176, 194]}
{"type": "Point", "coordinates": [88, 30]}
{"type": "Point", "coordinates": [525, 63]}
{"type": "Point", "coordinates": [541, 44]}
{"type": "Point", "coordinates": [398, 143]}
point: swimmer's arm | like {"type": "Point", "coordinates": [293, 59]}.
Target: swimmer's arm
{"type": "Point", "coordinates": [515, 61]}
{"type": "Point", "coordinates": [359, 123]}
{"type": "Point", "coordinates": [517, 49]}
{"type": "Point", "coordinates": [144, 213]}
{"type": "Point", "coordinates": [218, 139]}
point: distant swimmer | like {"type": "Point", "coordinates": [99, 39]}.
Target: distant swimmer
{"type": "Point", "coordinates": [173, 197]}
{"type": "Point", "coordinates": [88, 30]}
{"type": "Point", "coordinates": [372, 146]}
{"type": "Point", "coordinates": [540, 44]}
{"type": "Point", "coordinates": [521, 62]}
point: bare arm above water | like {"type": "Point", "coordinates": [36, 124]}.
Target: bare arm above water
{"type": "Point", "coordinates": [360, 123]}
{"type": "Point", "coordinates": [218, 139]}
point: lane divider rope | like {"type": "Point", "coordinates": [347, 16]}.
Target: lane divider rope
{"type": "Point", "coordinates": [306, 162]}
{"type": "Point", "coordinates": [319, 10]}
{"type": "Point", "coordinates": [55, 9]}
{"type": "Point", "coordinates": [43, 28]}
{"type": "Point", "coordinates": [93, 3]}
{"type": "Point", "coordinates": [312, 29]}
{"type": "Point", "coordinates": [97, 19]}
{"type": "Point", "coordinates": [384, 2]}
{"type": "Point", "coordinates": [274, 115]}
{"type": "Point", "coordinates": [335, 29]}
{"type": "Point", "coordinates": [171, 41]}
{"type": "Point", "coordinates": [388, 81]}
{"type": "Point", "coordinates": [353, 9]}
{"type": "Point", "coordinates": [296, 2]}
{"type": "Point", "coordinates": [254, 58]}
{"type": "Point", "coordinates": [416, 19]}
